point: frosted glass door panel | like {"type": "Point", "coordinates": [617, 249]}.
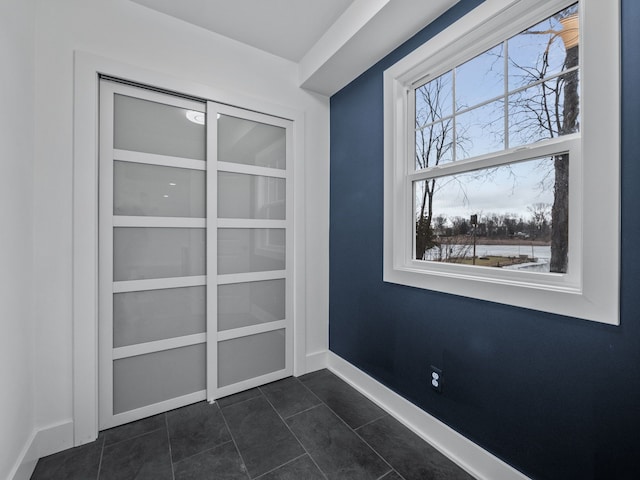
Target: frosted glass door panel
{"type": "Point", "coordinates": [151, 315]}
{"type": "Point", "coordinates": [250, 303]}
{"type": "Point", "coordinates": [151, 190]}
{"type": "Point", "coordinates": [251, 143]}
{"type": "Point", "coordinates": [147, 379]}
{"type": "Point", "coordinates": [141, 253]}
{"type": "Point", "coordinates": [242, 250]}
{"type": "Point", "coordinates": [252, 356]}
{"type": "Point", "coordinates": [251, 196]}
{"type": "Point", "coordinates": [152, 127]}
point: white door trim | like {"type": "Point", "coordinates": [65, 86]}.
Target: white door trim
{"type": "Point", "coordinates": [87, 68]}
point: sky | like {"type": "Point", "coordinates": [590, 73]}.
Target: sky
{"type": "Point", "coordinates": [506, 189]}
{"type": "Point", "coordinates": [481, 128]}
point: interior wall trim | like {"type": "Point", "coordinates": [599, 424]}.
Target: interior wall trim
{"type": "Point", "coordinates": [41, 442]}
{"type": "Point", "coordinates": [316, 361]}
{"type": "Point", "coordinates": [459, 449]}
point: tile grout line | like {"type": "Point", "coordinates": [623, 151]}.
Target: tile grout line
{"type": "Point", "coordinates": [241, 401]}
{"type": "Point", "coordinates": [301, 411]}
{"type": "Point", "coordinates": [104, 440]}
{"type": "Point", "coordinates": [393, 470]}
{"type": "Point", "coordinates": [244, 464]}
{"type": "Point", "coordinates": [385, 415]}
{"type": "Point", "coordinates": [296, 437]}
{"type": "Point", "coordinates": [374, 450]}
{"type": "Point", "coordinates": [356, 433]}
{"type": "Point", "coordinates": [372, 421]}
{"type": "Point", "coordinates": [204, 451]}
{"type": "Point", "coordinates": [131, 438]}
{"type": "Point", "coordinates": [280, 466]}
{"type": "Point", "coordinates": [308, 389]}
{"type": "Point", "coordinates": [166, 425]}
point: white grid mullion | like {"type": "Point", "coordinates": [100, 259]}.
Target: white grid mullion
{"type": "Point", "coordinates": [252, 330]}
{"type": "Point", "coordinates": [212, 251]}
{"type": "Point", "coordinates": [250, 223]}
{"type": "Point", "coordinates": [156, 408]}
{"type": "Point", "coordinates": [251, 277]}
{"type": "Point", "coordinates": [251, 170]}
{"type": "Point", "coordinates": [454, 116]}
{"type": "Point", "coordinates": [158, 346]}
{"type": "Point", "coordinates": [158, 222]}
{"type": "Point", "coordinates": [105, 258]}
{"type": "Point", "coordinates": [157, 159]}
{"type": "Point", "coordinates": [507, 140]}
{"type": "Point", "coordinates": [158, 283]}
{"type": "Point", "coordinates": [550, 147]}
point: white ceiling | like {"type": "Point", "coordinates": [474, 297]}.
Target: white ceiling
{"type": "Point", "coordinates": [332, 41]}
{"type": "Point", "coordinates": [286, 28]}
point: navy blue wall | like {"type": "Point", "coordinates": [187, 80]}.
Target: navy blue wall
{"type": "Point", "coordinates": [555, 397]}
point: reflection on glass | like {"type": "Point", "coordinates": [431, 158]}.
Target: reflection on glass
{"type": "Point", "coordinates": [141, 253]}
{"type": "Point", "coordinates": [541, 112]}
{"type": "Point", "coordinates": [243, 250]}
{"type": "Point", "coordinates": [147, 379]}
{"type": "Point", "coordinates": [151, 190]}
{"type": "Point", "coordinates": [151, 315]}
{"type": "Point", "coordinates": [250, 303]}
{"type": "Point", "coordinates": [513, 208]}
{"type": "Point", "coordinates": [480, 79]}
{"type": "Point", "coordinates": [151, 127]}
{"type": "Point", "coordinates": [480, 130]}
{"type": "Point", "coordinates": [543, 50]}
{"type": "Point", "coordinates": [249, 357]}
{"type": "Point", "coordinates": [434, 144]}
{"type": "Point", "coordinates": [251, 196]}
{"type": "Point", "coordinates": [251, 143]}
{"type": "Point", "coordinates": [434, 100]}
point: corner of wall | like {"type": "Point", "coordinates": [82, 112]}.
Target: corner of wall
{"type": "Point", "coordinates": [41, 443]}
{"type": "Point", "coordinates": [316, 361]}
{"type": "Point", "coordinates": [459, 449]}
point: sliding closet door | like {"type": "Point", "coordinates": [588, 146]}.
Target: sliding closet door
{"type": "Point", "coordinates": [152, 253]}
{"type": "Point", "coordinates": [251, 314]}
{"type": "Point", "coordinates": [196, 251]}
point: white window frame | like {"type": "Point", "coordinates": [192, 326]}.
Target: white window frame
{"type": "Point", "coordinates": [590, 290]}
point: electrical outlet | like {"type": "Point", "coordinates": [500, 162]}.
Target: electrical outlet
{"type": "Point", "coordinates": [435, 377]}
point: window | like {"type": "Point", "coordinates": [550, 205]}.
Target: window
{"type": "Point", "coordinates": [502, 159]}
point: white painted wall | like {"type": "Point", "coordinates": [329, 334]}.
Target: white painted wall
{"type": "Point", "coordinates": [129, 33]}
{"type": "Point", "coordinates": [16, 230]}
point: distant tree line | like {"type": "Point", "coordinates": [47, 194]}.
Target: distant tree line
{"type": "Point", "coordinates": [535, 226]}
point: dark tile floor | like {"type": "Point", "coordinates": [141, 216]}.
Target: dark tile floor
{"type": "Point", "coordinates": [307, 428]}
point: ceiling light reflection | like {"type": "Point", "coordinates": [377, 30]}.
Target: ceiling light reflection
{"type": "Point", "coordinates": [196, 117]}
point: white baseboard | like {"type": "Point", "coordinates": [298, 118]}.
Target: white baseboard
{"type": "Point", "coordinates": [42, 442]}
{"type": "Point", "coordinates": [316, 361]}
{"type": "Point", "coordinates": [478, 462]}
{"type": "Point", "coordinates": [26, 462]}
{"type": "Point", "coordinates": [469, 456]}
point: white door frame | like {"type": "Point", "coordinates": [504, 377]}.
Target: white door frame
{"type": "Point", "coordinates": [87, 68]}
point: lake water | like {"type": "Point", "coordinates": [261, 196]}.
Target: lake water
{"type": "Point", "coordinates": [542, 252]}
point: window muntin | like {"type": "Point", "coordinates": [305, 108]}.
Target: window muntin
{"type": "Point", "coordinates": [501, 102]}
